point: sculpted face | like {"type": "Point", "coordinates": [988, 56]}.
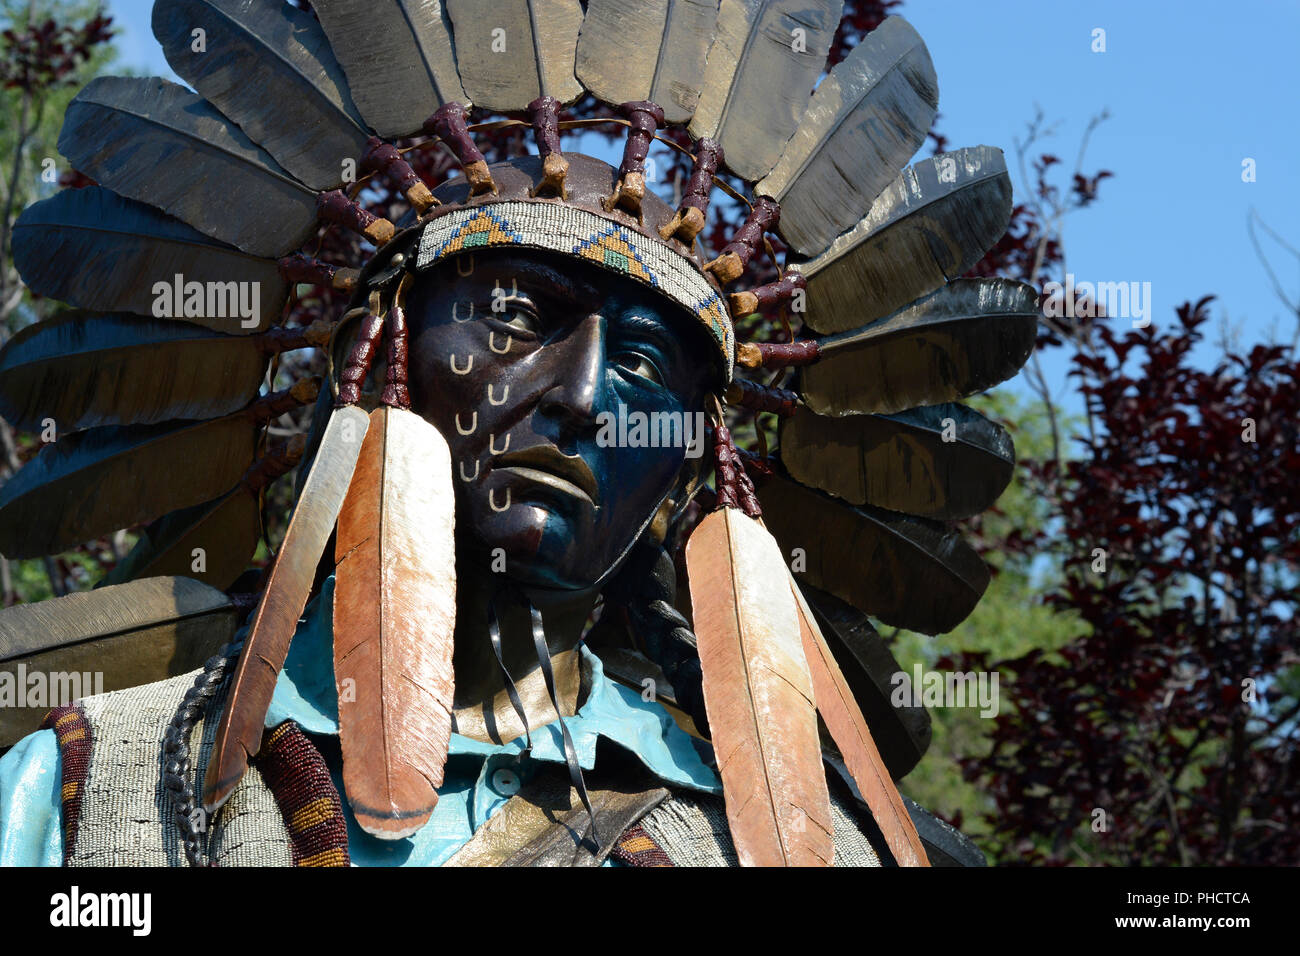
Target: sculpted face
{"type": "Point", "coordinates": [525, 394]}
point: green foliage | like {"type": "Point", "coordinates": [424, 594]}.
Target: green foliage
{"type": "Point", "coordinates": [30, 164]}
{"type": "Point", "coordinates": [53, 48]}
{"type": "Point", "coordinates": [1009, 621]}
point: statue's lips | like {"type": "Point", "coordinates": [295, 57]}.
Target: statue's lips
{"type": "Point", "coordinates": [547, 465]}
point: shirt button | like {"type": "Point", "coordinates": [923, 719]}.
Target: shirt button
{"type": "Point", "coordinates": [505, 782]}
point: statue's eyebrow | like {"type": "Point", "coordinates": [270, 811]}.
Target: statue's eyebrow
{"type": "Point", "coordinates": [567, 286]}
{"type": "Point", "coordinates": [637, 321]}
{"type": "Point", "coordinates": [653, 326]}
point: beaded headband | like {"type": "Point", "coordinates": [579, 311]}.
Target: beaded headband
{"type": "Point", "coordinates": [576, 232]}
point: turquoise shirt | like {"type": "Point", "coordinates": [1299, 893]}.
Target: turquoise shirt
{"type": "Point", "coordinates": [472, 790]}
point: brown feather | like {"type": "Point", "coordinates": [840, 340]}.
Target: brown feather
{"type": "Point", "coordinates": [849, 731]}
{"type": "Point", "coordinates": [758, 694]}
{"type": "Point", "coordinates": [394, 623]}
{"type": "Point", "coordinates": [240, 733]}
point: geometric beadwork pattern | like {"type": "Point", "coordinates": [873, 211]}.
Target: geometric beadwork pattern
{"type": "Point", "coordinates": [72, 732]}
{"type": "Point", "coordinates": [578, 232]}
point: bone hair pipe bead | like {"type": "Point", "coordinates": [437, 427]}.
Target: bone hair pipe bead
{"type": "Point", "coordinates": [281, 460]}
{"type": "Point", "coordinates": [762, 398]}
{"type": "Point", "coordinates": [301, 268]}
{"type": "Point", "coordinates": [766, 296]}
{"type": "Point", "coordinates": [449, 125]}
{"type": "Point", "coordinates": [383, 157]}
{"type": "Point", "coordinates": [544, 115]}
{"type": "Point", "coordinates": [646, 118]}
{"type": "Point", "coordinates": [729, 266]}
{"type": "Point", "coordinates": [359, 360]}
{"type": "Point", "coordinates": [335, 207]}
{"type": "Point", "coordinates": [693, 212]}
{"type": "Point", "coordinates": [395, 391]}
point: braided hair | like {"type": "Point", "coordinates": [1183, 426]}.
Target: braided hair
{"type": "Point", "coordinates": [188, 815]}
{"type": "Point", "coordinates": [645, 589]}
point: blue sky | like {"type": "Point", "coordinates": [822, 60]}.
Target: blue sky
{"type": "Point", "coordinates": [1193, 88]}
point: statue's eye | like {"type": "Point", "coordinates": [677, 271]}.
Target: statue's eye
{"type": "Point", "coordinates": [521, 319]}
{"type": "Point", "coordinates": [640, 365]}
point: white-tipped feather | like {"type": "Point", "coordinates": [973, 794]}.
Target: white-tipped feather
{"type": "Point", "coordinates": [394, 623]}
{"type": "Point", "coordinates": [758, 694]}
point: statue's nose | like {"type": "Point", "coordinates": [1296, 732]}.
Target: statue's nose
{"type": "Point", "coordinates": [579, 363]}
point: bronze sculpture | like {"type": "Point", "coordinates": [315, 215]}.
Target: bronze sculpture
{"type": "Point", "coordinates": [492, 336]}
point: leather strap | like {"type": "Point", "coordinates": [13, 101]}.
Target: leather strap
{"type": "Point", "coordinates": [570, 752]}
{"type": "Point", "coordinates": [544, 824]}
{"type": "Point", "coordinates": [494, 635]}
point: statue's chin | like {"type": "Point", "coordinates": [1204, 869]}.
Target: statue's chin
{"type": "Point", "coordinates": [545, 556]}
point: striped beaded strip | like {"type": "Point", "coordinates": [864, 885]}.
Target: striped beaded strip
{"type": "Point", "coordinates": [577, 232]}
{"type": "Point", "coordinates": [297, 776]}
{"type": "Point", "coordinates": [72, 731]}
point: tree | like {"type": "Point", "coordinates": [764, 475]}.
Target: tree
{"type": "Point", "coordinates": [1167, 734]}
{"type": "Point", "coordinates": [47, 52]}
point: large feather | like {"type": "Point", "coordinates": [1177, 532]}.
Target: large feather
{"type": "Point", "coordinates": [97, 250]}
{"type": "Point", "coordinates": [944, 461]}
{"type": "Point", "coordinates": [902, 733]}
{"type": "Point", "coordinates": [157, 142]}
{"type": "Point", "coordinates": [969, 336]}
{"type": "Point", "coordinates": [289, 585]}
{"type": "Point", "coordinates": [269, 67]}
{"type": "Point", "coordinates": [760, 74]}
{"type": "Point", "coordinates": [848, 728]}
{"type": "Point", "coordinates": [908, 572]}
{"type": "Point", "coordinates": [83, 370]}
{"type": "Point", "coordinates": [864, 123]}
{"type": "Point", "coordinates": [944, 844]}
{"type": "Point", "coordinates": [398, 58]}
{"type": "Point", "coordinates": [394, 623]}
{"type": "Point", "coordinates": [758, 694]}
{"type": "Point", "coordinates": [224, 533]}
{"type": "Point", "coordinates": [135, 634]}
{"type": "Point", "coordinates": [522, 50]}
{"type": "Point", "coordinates": [215, 541]}
{"type": "Point", "coordinates": [654, 50]}
{"type": "Point", "coordinates": [931, 224]}
{"type": "Point", "coordinates": [87, 484]}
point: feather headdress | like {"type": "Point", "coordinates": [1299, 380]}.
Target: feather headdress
{"type": "Point", "coordinates": [224, 184]}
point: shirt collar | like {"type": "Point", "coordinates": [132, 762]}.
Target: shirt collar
{"type": "Point", "coordinates": [305, 693]}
